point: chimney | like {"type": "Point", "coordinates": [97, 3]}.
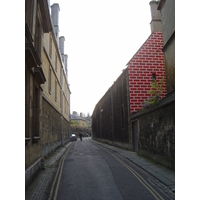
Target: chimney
{"type": "Point", "coordinates": [155, 15]}
{"type": "Point", "coordinates": [66, 57]}
{"type": "Point", "coordinates": [75, 113]}
{"type": "Point", "coordinates": [49, 5]}
{"type": "Point", "coordinates": [55, 18]}
{"type": "Point", "coordinates": [61, 46]}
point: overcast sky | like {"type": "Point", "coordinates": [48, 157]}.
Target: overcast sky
{"type": "Point", "coordinates": [100, 39]}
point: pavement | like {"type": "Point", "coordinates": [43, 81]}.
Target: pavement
{"type": "Point", "coordinates": [41, 185]}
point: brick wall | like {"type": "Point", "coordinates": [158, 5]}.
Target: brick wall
{"type": "Point", "coordinates": [147, 61]}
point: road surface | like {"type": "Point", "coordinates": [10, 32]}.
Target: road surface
{"type": "Point", "coordinates": [89, 171]}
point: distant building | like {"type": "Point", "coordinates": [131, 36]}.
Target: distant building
{"type": "Point", "coordinates": [89, 122]}
{"type": "Point", "coordinates": [81, 124]}
{"type": "Point", "coordinates": [78, 121]}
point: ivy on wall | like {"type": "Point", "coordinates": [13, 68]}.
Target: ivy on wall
{"type": "Point", "coordinates": [156, 91]}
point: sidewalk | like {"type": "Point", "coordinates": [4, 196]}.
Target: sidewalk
{"type": "Point", "coordinates": [164, 175]}
{"type": "Point", "coordinates": [41, 185]}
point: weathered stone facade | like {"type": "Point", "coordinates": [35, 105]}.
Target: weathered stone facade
{"type": "Point", "coordinates": [111, 116]}
{"type": "Point", "coordinates": [56, 93]}
{"type": "Point", "coordinates": [47, 93]}
{"type": "Point", "coordinates": [167, 11]}
{"type": "Point", "coordinates": [37, 23]}
{"type": "Point", "coordinates": [156, 132]}
{"type": "Point", "coordinates": [54, 127]}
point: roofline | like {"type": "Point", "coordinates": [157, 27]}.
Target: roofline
{"type": "Point", "coordinates": [78, 118]}
{"type": "Point", "coordinates": [140, 48]}
{"type": "Point", "coordinates": [161, 4]}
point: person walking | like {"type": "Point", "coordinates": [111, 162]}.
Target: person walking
{"type": "Point", "coordinates": [80, 135]}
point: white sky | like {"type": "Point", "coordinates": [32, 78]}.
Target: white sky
{"type": "Point", "coordinates": [100, 39]}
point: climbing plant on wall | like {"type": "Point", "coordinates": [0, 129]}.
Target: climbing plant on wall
{"type": "Point", "coordinates": [156, 91]}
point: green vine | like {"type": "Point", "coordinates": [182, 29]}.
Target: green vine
{"type": "Point", "coordinates": [156, 91]}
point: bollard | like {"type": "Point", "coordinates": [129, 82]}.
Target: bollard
{"type": "Point", "coordinates": [42, 164]}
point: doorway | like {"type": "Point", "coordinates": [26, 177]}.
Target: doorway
{"type": "Point", "coordinates": [135, 135]}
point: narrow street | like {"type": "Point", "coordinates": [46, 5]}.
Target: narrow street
{"type": "Point", "coordinates": [89, 171]}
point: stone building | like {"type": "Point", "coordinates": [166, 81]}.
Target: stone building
{"type": "Point", "coordinates": [167, 11]}
{"type": "Point", "coordinates": [88, 119]}
{"type": "Point", "coordinates": [154, 129]}
{"type": "Point", "coordinates": [78, 124]}
{"type": "Point", "coordinates": [78, 121]}
{"type": "Point", "coordinates": [111, 115]}
{"type": "Point", "coordinates": [111, 119]}
{"type": "Point", "coordinates": [56, 92]}
{"type": "Point", "coordinates": [37, 23]}
{"type": "Point", "coordinates": [47, 93]}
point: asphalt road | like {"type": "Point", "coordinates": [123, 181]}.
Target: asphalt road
{"type": "Point", "coordinates": [91, 172]}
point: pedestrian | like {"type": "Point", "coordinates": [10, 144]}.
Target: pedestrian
{"type": "Point", "coordinates": [80, 135]}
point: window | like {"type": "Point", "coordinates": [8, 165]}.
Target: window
{"type": "Point", "coordinates": [65, 89]}
{"type": "Point", "coordinates": [122, 85]}
{"type": "Point", "coordinates": [27, 104]}
{"type": "Point", "coordinates": [49, 80]}
{"type": "Point", "coordinates": [61, 98]}
{"type": "Point", "coordinates": [55, 90]}
{"type": "Point", "coordinates": [50, 46]}
{"type": "Point", "coordinates": [61, 77]}
{"type": "Point", "coordinates": [36, 111]}
{"type": "Point", "coordinates": [37, 39]}
{"type": "Point", "coordinates": [66, 106]}
{"type": "Point", "coordinates": [56, 63]}
{"type": "Point", "coordinates": [122, 114]}
{"type": "Point", "coordinates": [111, 121]}
{"type": "Point", "coordinates": [154, 76]}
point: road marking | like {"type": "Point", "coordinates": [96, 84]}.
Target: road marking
{"type": "Point", "coordinates": [59, 171]}
{"type": "Point", "coordinates": [142, 181]}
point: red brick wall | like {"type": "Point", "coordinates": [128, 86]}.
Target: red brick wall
{"type": "Point", "coordinates": [147, 61]}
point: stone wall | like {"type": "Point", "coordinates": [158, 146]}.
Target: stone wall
{"type": "Point", "coordinates": [111, 116]}
{"type": "Point", "coordinates": [156, 135]}
{"type": "Point", "coordinates": [167, 10]}
{"type": "Point", "coordinates": [53, 124]}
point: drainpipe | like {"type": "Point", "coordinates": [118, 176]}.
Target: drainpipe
{"type": "Point", "coordinates": [113, 137]}
{"type": "Point", "coordinates": [62, 116]}
{"type": "Point", "coordinates": [100, 120]}
{"type": "Point", "coordinates": [101, 110]}
{"type": "Point", "coordinates": [69, 132]}
{"type": "Point", "coordinates": [62, 128]}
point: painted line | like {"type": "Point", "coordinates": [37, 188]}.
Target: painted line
{"type": "Point", "coordinates": [59, 171]}
{"type": "Point", "coordinates": [142, 181]}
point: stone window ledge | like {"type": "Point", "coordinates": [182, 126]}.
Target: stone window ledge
{"type": "Point", "coordinates": [36, 138]}
{"type": "Point", "coordinates": [27, 140]}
